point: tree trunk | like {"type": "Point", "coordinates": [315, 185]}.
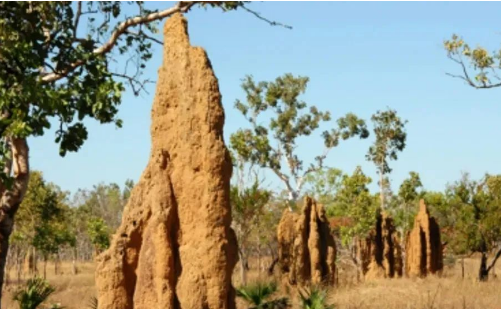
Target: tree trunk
{"type": "Point", "coordinates": [11, 197]}
{"type": "Point", "coordinates": [462, 267]}
{"type": "Point", "coordinates": [19, 265]}
{"type": "Point", "coordinates": [381, 190]}
{"type": "Point", "coordinates": [45, 268]}
{"type": "Point", "coordinates": [56, 262]}
{"type": "Point", "coordinates": [271, 268]}
{"type": "Point", "coordinates": [74, 262]}
{"type": "Point", "coordinates": [483, 273]}
{"type": "Point", "coordinates": [243, 270]}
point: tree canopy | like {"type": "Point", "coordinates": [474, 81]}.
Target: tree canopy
{"type": "Point", "coordinates": [274, 143]}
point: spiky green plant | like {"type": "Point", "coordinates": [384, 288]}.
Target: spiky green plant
{"type": "Point", "coordinates": [33, 294]}
{"type": "Point", "coordinates": [314, 298]}
{"type": "Point", "coordinates": [257, 295]}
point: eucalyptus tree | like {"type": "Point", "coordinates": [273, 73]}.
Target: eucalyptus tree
{"type": "Point", "coordinates": [323, 186]}
{"type": "Point", "coordinates": [99, 234]}
{"type": "Point", "coordinates": [479, 68]}
{"type": "Point", "coordinates": [43, 221]}
{"type": "Point", "coordinates": [407, 200]}
{"type": "Point", "coordinates": [354, 201]}
{"type": "Point", "coordinates": [475, 208]}
{"type": "Point", "coordinates": [272, 142]}
{"type": "Point", "coordinates": [389, 130]}
{"type": "Point", "coordinates": [57, 68]}
{"type": "Point", "coordinates": [248, 205]}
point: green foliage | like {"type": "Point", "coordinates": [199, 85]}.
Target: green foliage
{"type": "Point", "coordinates": [290, 120]}
{"type": "Point", "coordinates": [485, 65]}
{"type": "Point", "coordinates": [43, 218]}
{"type": "Point", "coordinates": [56, 65]}
{"type": "Point", "coordinates": [408, 191]}
{"type": "Point", "coordinates": [404, 207]}
{"type": "Point", "coordinates": [105, 201]}
{"type": "Point", "coordinates": [324, 184]}
{"type": "Point", "coordinates": [390, 139]}
{"type": "Point", "coordinates": [354, 201]}
{"type": "Point", "coordinates": [258, 296]}
{"type": "Point", "coordinates": [33, 294]}
{"type": "Point", "coordinates": [37, 39]}
{"type": "Point", "coordinates": [314, 298]}
{"type": "Point", "coordinates": [474, 210]}
{"type": "Point", "coordinates": [98, 233]}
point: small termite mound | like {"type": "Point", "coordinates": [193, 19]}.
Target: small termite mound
{"type": "Point", "coordinates": [424, 246]}
{"type": "Point", "coordinates": [307, 250]}
{"type": "Point", "coordinates": [380, 254]}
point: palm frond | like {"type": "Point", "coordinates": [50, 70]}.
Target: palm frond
{"type": "Point", "coordinates": [257, 293]}
{"type": "Point", "coordinates": [35, 292]}
{"type": "Point", "coordinates": [314, 298]}
{"type": "Point", "coordinates": [93, 304]}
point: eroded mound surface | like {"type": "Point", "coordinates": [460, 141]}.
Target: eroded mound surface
{"type": "Point", "coordinates": [424, 246]}
{"type": "Point", "coordinates": [175, 248]}
{"type": "Point", "coordinates": [380, 253]}
{"type": "Point", "coordinates": [307, 251]}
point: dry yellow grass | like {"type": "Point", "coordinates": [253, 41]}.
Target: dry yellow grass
{"type": "Point", "coordinates": [72, 291]}
{"type": "Point", "coordinates": [448, 292]}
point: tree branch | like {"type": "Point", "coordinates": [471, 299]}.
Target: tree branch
{"type": "Point", "coordinates": [180, 7]}
{"type": "Point", "coordinates": [146, 36]}
{"type": "Point", "coordinates": [77, 18]}
{"type": "Point", "coordinates": [270, 22]}
{"type": "Point", "coordinates": [466, 76]}
{"type": "Point", "coordinates": [133, 82]}
{"type": "Point", "coordinates": [493, 263]}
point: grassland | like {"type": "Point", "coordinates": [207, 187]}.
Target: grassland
{"type": "Point", "coordinates": [450, 291]}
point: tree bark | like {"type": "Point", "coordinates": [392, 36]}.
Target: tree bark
{"type": "Point", "coordinates": [462, 267]}
{"type": "Point", "coordinates": [45, 268]}
{"type": "Point", "coordinates": [483, 273]}
{"type": "Point", "coordinates": [11, 198]}
{"type": "Point", "coordinates": [381, 186]}
{"type": "Point", "coordinates": [74, 262]}
{"type": "Point", "coordinates": [56, 262]}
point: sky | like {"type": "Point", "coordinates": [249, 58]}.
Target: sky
{"type": "Point", "coordinates": [360, 57]}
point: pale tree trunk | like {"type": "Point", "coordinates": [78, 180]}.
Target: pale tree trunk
{"type": "Point", "coordinates": [74, 262]}
{"type": "Point", "coordinates": [11, 198]}
{"type": "Point", "coordinates": [243, 271]}
{"type": "Point", "coordinates": [19, 265]}
{"type": "Point", "coordinates": [381, 193]}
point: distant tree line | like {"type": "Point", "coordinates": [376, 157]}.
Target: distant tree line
{"type": "Point", "coordinates": [52, 225]}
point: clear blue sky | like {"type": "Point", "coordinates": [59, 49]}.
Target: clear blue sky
{"type": "Point", "coordinates": [360, 57]}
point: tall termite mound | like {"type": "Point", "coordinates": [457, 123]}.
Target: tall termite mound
{"type": "Point", "coordinates": [380, 253]}
{"type": "Point", "coordinates": [307, 251]}
{"type": "Point", "coordinates": [424, 246]}
{"type": "Point", "coordinates": [175, 247]}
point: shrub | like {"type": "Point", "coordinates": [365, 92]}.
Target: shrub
{"type": "Point", "coordinates": [314, 298]}
{"type": "Point", "coordinates": [258, 294]}
{"type": "Point", "coordinates": [34, 293]}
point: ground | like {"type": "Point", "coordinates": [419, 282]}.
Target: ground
{"type": "Point", "coordinates": [447, 292]}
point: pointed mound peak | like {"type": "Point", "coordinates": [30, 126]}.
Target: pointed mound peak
{"type": "Point", "coordinates": [422, 206]}
{"type": "Point", "coordinates": [176, 31]}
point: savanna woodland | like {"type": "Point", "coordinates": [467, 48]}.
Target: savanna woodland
{"type": "Point", "coordinates": [286, 165]}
